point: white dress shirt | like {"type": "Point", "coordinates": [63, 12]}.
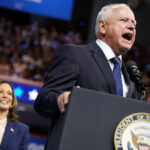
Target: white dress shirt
{"type": "Point", "coordinates": [109, 53]}
{"type": "Point", "coordinates": [2, 128]}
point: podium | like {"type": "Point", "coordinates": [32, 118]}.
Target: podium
{"type": "Point", "coordinates": [92, 118]}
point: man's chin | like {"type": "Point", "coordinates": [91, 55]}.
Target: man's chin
{"type": "Point", "coordinates": [125, 50]}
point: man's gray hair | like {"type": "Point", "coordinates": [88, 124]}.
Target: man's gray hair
{"type": "Point", "coordinates": [104, 13]}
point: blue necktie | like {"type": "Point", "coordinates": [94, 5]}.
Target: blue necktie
{"type": "Point", "coordinates": [117, 75]}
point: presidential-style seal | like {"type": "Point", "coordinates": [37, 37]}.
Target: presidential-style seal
{"type": "Point", "coordinates": [133, 132]}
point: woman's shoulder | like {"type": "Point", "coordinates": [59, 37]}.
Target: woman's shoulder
{"type": "Point", "coordinates": [21, 125]}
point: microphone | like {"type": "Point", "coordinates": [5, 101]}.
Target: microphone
{"type": "Point", "coordinates": [136, 76]}
{"type": "Point", "coordinates": [134, 72]}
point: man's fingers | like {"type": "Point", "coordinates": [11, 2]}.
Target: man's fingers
{"type": "Point", "coordinates": [66, 97]}
{"type": "Point", "coordinates": [60, 103]}
{"type": "Point", "coordinates": [62, 106]}
{"type": "Point", "coordinates": [62, 100]}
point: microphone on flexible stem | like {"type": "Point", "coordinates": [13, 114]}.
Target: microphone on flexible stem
{"type": "Point", "coordinates": [135, 76]}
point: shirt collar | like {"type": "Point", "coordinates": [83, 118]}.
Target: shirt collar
{"type": "Point", "coordinates": [3, 121]}
{"type": "Point", "coordinates": [107, 50]}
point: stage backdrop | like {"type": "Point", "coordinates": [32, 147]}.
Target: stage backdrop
{"type": "Point", "coordinates": [60, 9]}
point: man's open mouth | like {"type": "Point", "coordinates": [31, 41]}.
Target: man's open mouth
{"type": "Point", "coordinates": [127, 36]}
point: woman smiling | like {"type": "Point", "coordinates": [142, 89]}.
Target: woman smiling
{"type": "Point", "coordinates": [13, 134]}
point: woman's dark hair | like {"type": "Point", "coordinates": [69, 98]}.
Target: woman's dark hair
{"type": "Point", "coordinates": [12, 116]}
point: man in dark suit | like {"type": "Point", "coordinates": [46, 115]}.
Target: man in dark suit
{"type": "Point", "coordinates": [89, 66]}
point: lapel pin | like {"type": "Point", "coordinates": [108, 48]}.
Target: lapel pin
{"type": "Point", "coordinates": [11, 129]}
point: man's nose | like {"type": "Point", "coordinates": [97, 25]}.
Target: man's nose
{"type": "Point", "coordinates": [131, 26]}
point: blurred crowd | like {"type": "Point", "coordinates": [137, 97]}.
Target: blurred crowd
{"type": "Point", "coordinates": [26, 50]}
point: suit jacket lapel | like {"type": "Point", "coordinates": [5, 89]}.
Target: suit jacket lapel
{"type": "Point", "coordinates": [104, 66]}
{"type": "Point", "coordinates": [10, 131]}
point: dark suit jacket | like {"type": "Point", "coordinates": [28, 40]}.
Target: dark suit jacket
{"type": "Point", "coordinates": [83, 65]}
{"type": "Point", "coordinates": [16, 137]}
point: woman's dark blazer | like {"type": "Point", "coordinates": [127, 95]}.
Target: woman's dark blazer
{"type": "Point", "coordinates": [16, 137]}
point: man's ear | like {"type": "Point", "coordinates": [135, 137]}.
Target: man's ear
{"type": "Point", "coordinates": [102, 27]}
